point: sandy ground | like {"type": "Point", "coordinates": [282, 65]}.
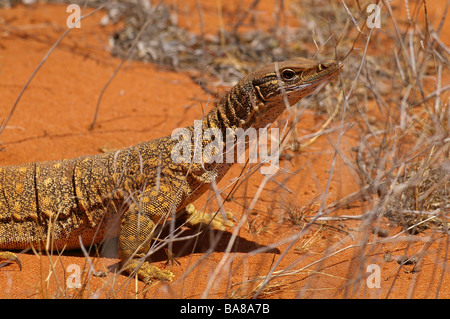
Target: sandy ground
{"type": "Point", "coordinates": [144, 102]}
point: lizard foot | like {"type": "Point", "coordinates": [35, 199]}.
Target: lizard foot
{"type": "Point", "coordinates": [216, 221]}
{"type": "Point", "coordinates": [9, 258]}
{"type": "Point", "coordinates": [147, 272]}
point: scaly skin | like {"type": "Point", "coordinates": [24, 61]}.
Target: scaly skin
{"type": "Point", "coordinates": [133, 192]}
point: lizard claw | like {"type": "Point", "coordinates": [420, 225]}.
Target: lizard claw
{"type": "Point", "coordinates": [9, 258]}
{"type": "Point", "coordinates": [147, 272]}
{"type": "Point", "coordinates": [216, 221]}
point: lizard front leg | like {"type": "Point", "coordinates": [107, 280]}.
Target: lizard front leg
{"type": "Point", "coordinates": [137, 231]}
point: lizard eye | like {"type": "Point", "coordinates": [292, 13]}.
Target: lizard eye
{"type": "Point", "coordinates": [287, 74]}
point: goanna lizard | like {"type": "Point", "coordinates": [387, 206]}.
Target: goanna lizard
{"type": "Point", "coordinates": [65, 204]}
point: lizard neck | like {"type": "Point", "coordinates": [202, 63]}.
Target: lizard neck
{"type": "Point", "coordinates": [233, 109]}
{"type": "Point", "coordinates": [241, 108]}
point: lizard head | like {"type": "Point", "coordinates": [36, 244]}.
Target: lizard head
{"type": "Point", "coordinates": [293, 79]}
{"type": "Point", "coordinates": [261, 96]}
{"type": "Point", "coordinates": [278, 84]}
